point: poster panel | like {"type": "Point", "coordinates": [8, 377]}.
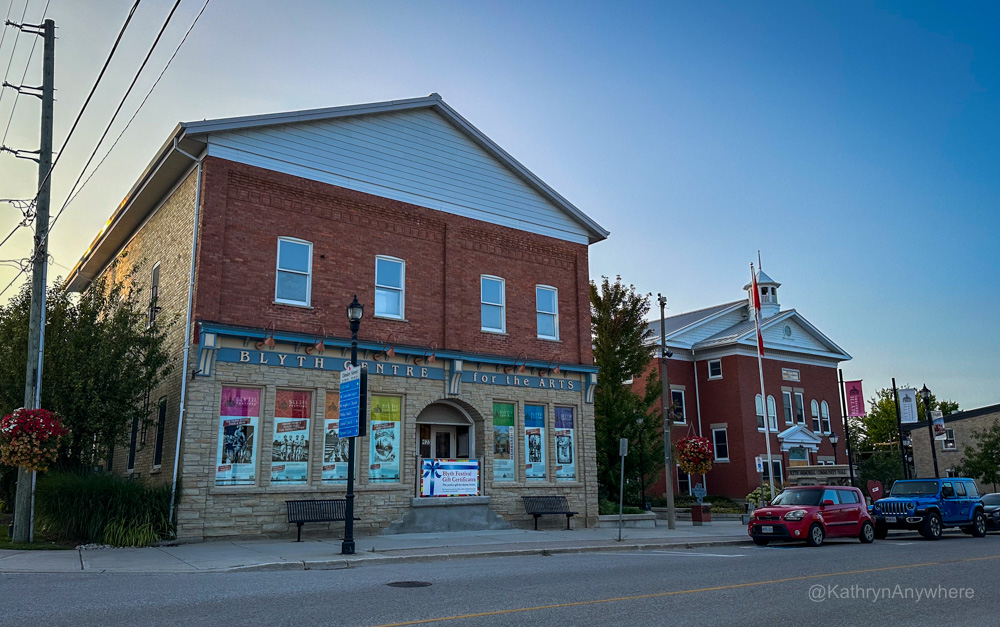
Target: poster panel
{"type": "Point", "coordinates": [855, 399]}
{"type": "Point", "coordinates": [908, 406]}
{"type": "Point", "coordinates": [939, 431]}
{"type": "Point", "coordinates": [449, 477]}
{"type": "Point", "coordinates": [534, 442]}
{"type": "Point", "coordinates": [565, 444]}
{"type": "Point", "coordinates": [503, 442]}
{"type": "Point", "coordinates": [239, 415]}
{"type": "Point", "coordinates": [290, 446]}
{"type": "Point", "coordinates": [334, 447]}
{"type": "Point", "coordinates": [384, 439]}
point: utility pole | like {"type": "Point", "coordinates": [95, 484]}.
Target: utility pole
{"type": "Point", "coordinates": [24, 502]}
{"type": "Point", "coordinates": [668, 404]}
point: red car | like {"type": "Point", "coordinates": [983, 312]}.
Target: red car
{"type": "Point", "coordinates": [813, 513]}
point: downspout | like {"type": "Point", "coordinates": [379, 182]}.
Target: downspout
{"type": "Point", "coordinates": [187, 326]}
{"type": "Point", "coordinates": [697, 402]}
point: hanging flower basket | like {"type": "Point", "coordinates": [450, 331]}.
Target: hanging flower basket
{"type": "Point", "coordinates": [694, 455]}
{"type": "Point", "coordinates": [31, 438]}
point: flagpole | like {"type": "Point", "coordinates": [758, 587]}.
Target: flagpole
{"type": "Point", "coordinates": [760, 368]}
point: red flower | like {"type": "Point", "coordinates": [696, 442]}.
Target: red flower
{"type": "Point", "coordinates": [695, 455]}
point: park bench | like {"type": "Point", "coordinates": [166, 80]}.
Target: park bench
{"type": "Point", "coordinates": [328, 510]}
{"type": "Point", "coordinates": [539, 506]}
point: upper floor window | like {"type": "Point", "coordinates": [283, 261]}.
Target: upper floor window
{"type": "Point", "coordinates": [948, 444]}
{"type": "Point", "coordinates": [824, 412]}
{"type": "Point", "coordinates": [772, 418]}
{"type": "Point", "coordinates": [547, 312]}
{"type": "Point", "coordinates": [715, 369]}
{"type": "Point", "coordinates": [720, 443]}
{"type": "Point", "coordinates": [493, 306]}
{"type": "Point", "coordinates": [800, 409]}
{"type": "Point", "coordinates": [293, 280]}
{"type": "Point", "coordinates": [814, 409]}
{"type": "Point", "coordinates": [390, 282]}
{"type": "Point", "coordinates": [678, 409]}
{"type": "Point", "coordinates": [786, 399]}
{"type": "Point", "coordinates": [154, 295]}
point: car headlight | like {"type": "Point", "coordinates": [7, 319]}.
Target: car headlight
{"type": "Point", "coordinates": [911, 505]}
{"type": "Point", "coordinates": [797, 514]}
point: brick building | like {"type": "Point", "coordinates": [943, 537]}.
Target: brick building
{"type": "Point", "coordinates": [715, 388]}
{"type": "Point", "coordinates": [255, 233]}
{"type": "Point", "coordinates": [950, 451]}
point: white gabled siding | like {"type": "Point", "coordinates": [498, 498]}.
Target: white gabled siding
{"type": "Point", "coordinates": [800, 338]}
{"type": "Point", "coordinates": [412, 156]}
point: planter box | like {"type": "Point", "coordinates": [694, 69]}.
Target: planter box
{"type": "Point", "coordinates": [629, 521]}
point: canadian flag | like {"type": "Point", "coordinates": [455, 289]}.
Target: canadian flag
{"type": "Point", "coordinates": [756, 310]}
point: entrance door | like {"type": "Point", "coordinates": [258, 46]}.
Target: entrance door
{"type": "Point", "coordinates": [443, 441]}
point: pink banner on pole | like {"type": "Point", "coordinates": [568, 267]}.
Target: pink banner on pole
{"type": "Point", "coordinates": [855, 399]}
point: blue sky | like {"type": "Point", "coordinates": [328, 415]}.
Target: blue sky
{"type": "Point", "coordinates": [856, 145]}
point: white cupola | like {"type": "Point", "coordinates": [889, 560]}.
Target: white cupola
{"type": "Point", "coordinates": [768, 295]}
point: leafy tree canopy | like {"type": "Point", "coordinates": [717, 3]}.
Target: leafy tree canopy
{"type": "Point", "coordinates": [982, 459]}
{"type": "Point", "coordinates": [877, 431]}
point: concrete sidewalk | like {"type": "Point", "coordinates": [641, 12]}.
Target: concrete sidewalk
{"type": "Point", "coordinates": [324, 554]}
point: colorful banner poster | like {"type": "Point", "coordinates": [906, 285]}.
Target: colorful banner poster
{"type": "Point", "coordinates": [855, 399]}
{"type": "Point", "coordinates": [290, 447]}
{"type": "Point", "coordinates": [565, 449]}
{"type": "Point", "coordinates": [239, 413]}
{"type": "Point", "coordinates": [384, 439]}
{"type": "Point", "coordinates": [939, 431]}
{"type": "Point", "coordinates": [908, 406]}
{"type": "Point", "coordinates": [449, 477]}
{"type": "Point", "coordinates": [334, 447]}
{"type": "Point", "coordinates": [503, 442]}
{"type": "Point", "coordinates": [534, 442]}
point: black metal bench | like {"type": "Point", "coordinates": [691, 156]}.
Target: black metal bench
{"type": "Point", "coordinates": [539, 506]}
{"type": "Point", "coordinates": [328, 510]}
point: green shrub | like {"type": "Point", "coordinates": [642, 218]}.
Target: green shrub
{"type": "Point", "coordinates": [606, 508]}
{"type": "Point", "coordinates": [102, 508]}
{"type": "Point", "coordinates": [8, 488]}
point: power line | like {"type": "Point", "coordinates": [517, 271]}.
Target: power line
{"type": "Point", "coordinates": [17, 37]}
{"type": "Point", "coordinates": [31, 55]}
{"type": "Point", "coordinates": [141, 104]}
{"type": "Point", "coordinates": [6, 18]}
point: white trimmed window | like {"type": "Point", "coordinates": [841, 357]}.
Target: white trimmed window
{"type": "Point", "coordinates": [824, 412]}
{"type": "Point", "coordinates": [720, 441]}
{"type": "Point", "coordinates": [800, 409]}
{"type": "Point", "coordinates": [814, 410]}
{"type": "Point", "coordinates": [390, 287]}
{"type": "Point", "coordinates": [948, 444]}
{"type": "Point", "coordinates": [677, 408]}
{"type": "Point", "coordinates": [714, 368]}
{"type": "Point", "coordinates": [547, 312]}
{"type": "Point", "coordinates": [293, 277]}
{"type": "Point", "coordinates": [786, 399]}
{"type": "Point", "coordinates": [775, 468]}
{"type": "Point", "coordinates": [493, 306]}
{"type": "Point", "coordinates": [772, 419]}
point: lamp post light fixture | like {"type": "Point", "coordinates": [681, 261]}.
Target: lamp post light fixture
{"type": "Point", "coordinates": [354, 313]}
{"type": "Point", "coordinates": [925, 394]}
{"type": "Point", "coordinates": [639, 417]}
{"type": "Point", "coordinates": [834, 438]}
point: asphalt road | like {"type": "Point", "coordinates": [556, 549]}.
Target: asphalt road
{"type": "Point", "coordinates": [896, 581]}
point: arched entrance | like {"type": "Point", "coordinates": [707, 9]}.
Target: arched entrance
{"type": "Point", "coordinates": [445, 431]}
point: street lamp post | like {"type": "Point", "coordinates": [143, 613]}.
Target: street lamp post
{"type": "Point", "coordinates": [834, 438]}
{"type": "Point", "coordinates": [642, 465]}
{"type": "Point", "coordinates": [354, 312]}
{"type": "Point", "coordinates": [925, 394]}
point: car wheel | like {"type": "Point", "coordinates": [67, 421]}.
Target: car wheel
{"type": "Point", "coordinates": [881, 531]}
{"type": "Point", "coordinates": [931, 528]}
{"type": "Point", "coordinates": [816, 535]}
{"type": "Point", "coordinates": [867, 535]}
{"type": "Point", "coordinates": [761, 541]}
{"type": "Point", "coordinates": [979, 525]}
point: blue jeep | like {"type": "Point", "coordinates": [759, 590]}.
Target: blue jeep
{"type": "Point", "coordinates": [930, 505]}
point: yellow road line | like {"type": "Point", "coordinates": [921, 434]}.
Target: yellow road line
{"type": "Point", "coordinates": [692, 591]}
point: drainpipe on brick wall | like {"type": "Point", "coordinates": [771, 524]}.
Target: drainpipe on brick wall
{"type": "Point", "coordinates": [187, 326]}
{"type": "Point", "coordinates": [697, 404]}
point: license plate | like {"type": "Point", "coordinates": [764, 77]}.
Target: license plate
{"type": "Point", "coordinates": [890, 519]}
{"type": "Point", "coordinates": [766, 529]}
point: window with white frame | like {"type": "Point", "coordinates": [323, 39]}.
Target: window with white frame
{"type": "Point", "coordinates": [948, 444]}
{"type": "Point", "coordinates": [714, 368]}
{"type": "Point", "coordinates": [770, 411]}
{"type": "Point", "coordinates": [677, 409]}
{"type": "Point", "coordinates": [547, 312]}
{"type": "Point", "coordinates": [293, 280]}
{"type": "Point", "coordinates": [824, 412]}
{"type": "Point", "coordinates": [720, 442]}
{"type": "Point", "coordinates": [390, 287]}
{"type": "Point", "coordinates": [814, 410]}
{"type": "Point", "coordinates": [683, 482]}
{"type": "Point", "coordinates": [775, 468]}
{"type": "Point", "coordinates": [493, 304]}
{"type": "Point", "coordinates": [800, 409]}
{"type": "Point", "coordinates": [786, 400]}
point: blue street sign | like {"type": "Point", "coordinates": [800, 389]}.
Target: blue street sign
{"type": "Point", "coordinates": [350, 403]}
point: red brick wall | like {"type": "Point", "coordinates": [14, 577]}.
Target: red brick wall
{"type": "Point", "coordinates": [245, 209]}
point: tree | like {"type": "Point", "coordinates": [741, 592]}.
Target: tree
{"type": "Point", "coordinates": [982, 460]}
{"type": "Point", "coordinates": [102, 360]}
{"type": "Point", "coordinates": [622, 351]}
{"type": "Point", "coordinates": [877, 430]}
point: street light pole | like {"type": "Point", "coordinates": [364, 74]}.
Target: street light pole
{"type": "Point", "coordinates": [354, 312]}
{"type": "Point", "coordinates": [668, 403]}
{"type": "Point", "coordinates": [925, 394]}
{"type": "Point", "coordinates": [834, 438]}
{"type": "Point", "coordinates": [642, 465]}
